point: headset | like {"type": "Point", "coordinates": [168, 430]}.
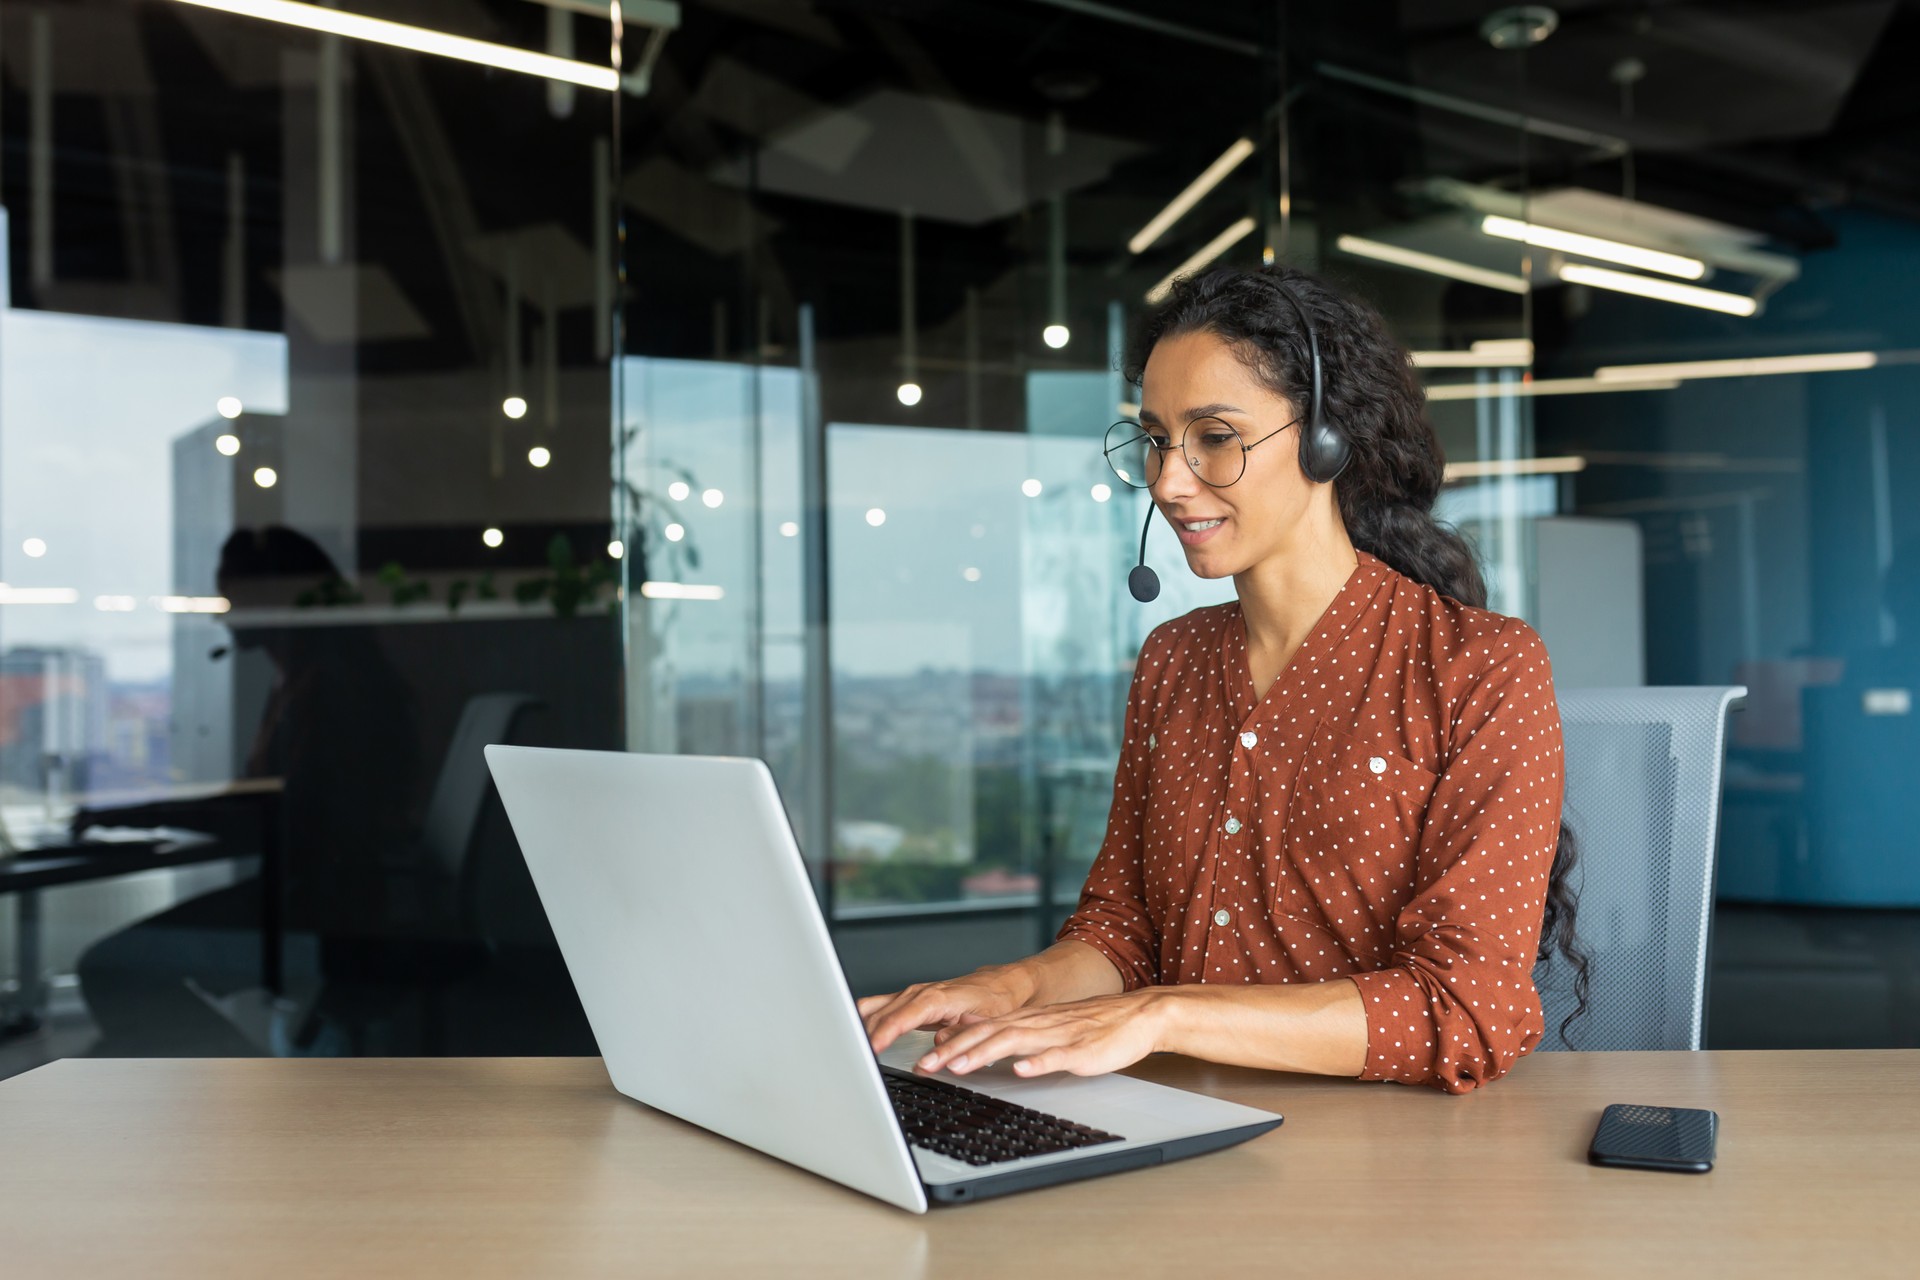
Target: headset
{"type": "Point", "coordinates": [1325, 450]}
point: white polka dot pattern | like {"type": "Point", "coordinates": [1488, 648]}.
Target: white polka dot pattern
{"type": "Point", "coordinates": [1387, 813]}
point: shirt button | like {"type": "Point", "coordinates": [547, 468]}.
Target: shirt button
{"type": "Point", "coordinates": [1377, 765]}
{"type": "Point", "coordinates": [1221, 917]}
{"type": "Point", "coordinates": [1249, 739]}
{"type": "Point", "coordinates": [1233, 826]}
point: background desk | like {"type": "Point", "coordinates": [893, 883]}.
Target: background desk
{"type": "Point", "coordinates": [50, 855]}
{"type": "Point", "coordinates": [535, 1167]}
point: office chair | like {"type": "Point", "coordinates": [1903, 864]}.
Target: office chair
{"type": "Point", "coordinates": [433, 939]}
{"type": "Point", "coordinates": [449, 832]}
{"type": "Point", "coordinates": [1643, 798]}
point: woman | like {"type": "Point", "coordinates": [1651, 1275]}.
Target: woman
{"type": "Point", "coordinates": [1335, 840]}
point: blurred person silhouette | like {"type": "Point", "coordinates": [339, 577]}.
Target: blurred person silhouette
{"type": "Point", "coordinates": [339, 732]}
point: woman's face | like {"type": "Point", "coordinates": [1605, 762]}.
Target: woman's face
{"type": "Point", "coordinates": [1224, 531]}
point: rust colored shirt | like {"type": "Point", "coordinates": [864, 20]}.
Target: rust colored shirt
{"type": "Point", "coordinates": [1387, 813]}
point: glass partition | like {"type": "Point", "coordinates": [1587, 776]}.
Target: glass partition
{"type": "Point", "coordinates": [304, 350]}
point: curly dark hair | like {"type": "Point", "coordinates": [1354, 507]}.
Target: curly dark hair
{"type": "Point", "coordinates": [1387, 491]}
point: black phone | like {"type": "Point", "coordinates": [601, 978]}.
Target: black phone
{"type": "Point", "coordinates": [1680, 1139]}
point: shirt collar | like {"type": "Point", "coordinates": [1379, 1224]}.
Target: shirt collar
{"type": "Point", "coordinates": [1334, 623]}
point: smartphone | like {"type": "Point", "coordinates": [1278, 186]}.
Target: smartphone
{"type": "Point", "coordinates": [1680, 1139]}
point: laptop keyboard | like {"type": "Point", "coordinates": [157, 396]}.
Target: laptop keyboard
{"type": "Point", "coordinates": [979, 1128]}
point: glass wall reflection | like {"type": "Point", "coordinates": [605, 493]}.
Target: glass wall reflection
{"type": "Point", "coordinates": [303, 384]}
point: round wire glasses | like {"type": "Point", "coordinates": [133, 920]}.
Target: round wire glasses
{"type": "Point", "coordinates": [1214, 449]}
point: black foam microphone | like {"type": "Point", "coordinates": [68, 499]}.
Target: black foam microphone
{"type": "Point", "coordinates": [1144, 582]}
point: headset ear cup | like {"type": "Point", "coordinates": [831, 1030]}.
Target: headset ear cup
{"type": "Point", "coordinates": [1331, 452]}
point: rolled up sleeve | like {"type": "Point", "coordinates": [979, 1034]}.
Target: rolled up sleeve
{"type": "Point", "coordinates": [1456, 1007]}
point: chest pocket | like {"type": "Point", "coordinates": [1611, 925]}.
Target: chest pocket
{"type": "Point", "coordinates": [1352, 832]}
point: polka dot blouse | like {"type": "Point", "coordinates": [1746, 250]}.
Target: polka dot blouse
{"type": "Point", "coordinates": [1386, 814]}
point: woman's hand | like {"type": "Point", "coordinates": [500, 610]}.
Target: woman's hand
{"type": "Point", "coordinates": [1086, 1037]}
{"type": "Point", "coordinates": [985, 993]}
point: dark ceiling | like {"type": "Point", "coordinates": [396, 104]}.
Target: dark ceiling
{"type": "Point", "coordinates": [1767, 115]}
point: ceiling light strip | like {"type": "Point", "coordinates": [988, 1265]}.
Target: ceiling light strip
{"type": "Point", "coordinates": [1830, 362]}
{"type": "Point", "coordinates": [1544, 387]}
{"type": "Point", "coordinates": [1733, 304]}
{"type": "Point", "coordinates": [191, 604]}
{"type": "Point", "coordinates": [419, 40]}
{"type": "Point", "coordinates": [1627, 255]}
{"type": "Point", "coordinates": [1500, 354]}
{"type": "Point", "coordinates": [1433, 263]}
{"type": "Point", "coordinates": [1229, 160]}
{"type": "Point", "coordinates": [1511, 346]}
{"type": "Point", "coordinates": [37, 595]}
{"type": "Point", "coordinates": [681, 591]}
{"type": "Point", "coordinates": [1212, 249]}
{"type": "Point", "coordinates": [1515, 467]}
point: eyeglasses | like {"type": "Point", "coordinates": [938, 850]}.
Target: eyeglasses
{"type": "Point", "coordinates": [1214, 450]}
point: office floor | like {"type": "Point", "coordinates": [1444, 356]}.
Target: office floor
{"type": "Point", "coordinates": [1782, 977]}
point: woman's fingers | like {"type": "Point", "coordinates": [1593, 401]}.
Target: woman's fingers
{"type": "Point", "coordinates": [882, 1015]}
{"type": "Point", "coordinates": [917, 1007]}
{"type": "Point", "coordinates": [970, 1018]}
{"type": "Point", "coordinates": [1002, 1041]}
{"type": "Point", "coordinates": [961, 1048]}
{"type": "Point", "coordinates": [1086, 1037]}
{"type": "Point", "coordinates": [873, 1006]}
{"type": "Point", "coordinates": [1058, 1058]}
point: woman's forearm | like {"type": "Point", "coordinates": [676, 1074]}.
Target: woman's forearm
{"type": "Point", "coordinates": [1319, 1028]}
{"type": "Point", "coordinates": [1066, 971]}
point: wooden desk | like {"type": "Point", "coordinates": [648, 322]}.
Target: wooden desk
{"type": "Point", "coordinates": [535, 1167]}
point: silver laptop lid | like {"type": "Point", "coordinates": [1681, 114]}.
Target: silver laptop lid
{"type": "Point", "coordinates": [688, 924]}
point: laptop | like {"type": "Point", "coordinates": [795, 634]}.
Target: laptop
{"type": "Point", "coordinates": [690, 928]}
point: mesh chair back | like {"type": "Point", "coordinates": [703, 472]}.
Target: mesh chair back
{"type": "Point", "coordinates": [461, 791]}
{"type": "Point", "coordinates": [1643, 799]}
